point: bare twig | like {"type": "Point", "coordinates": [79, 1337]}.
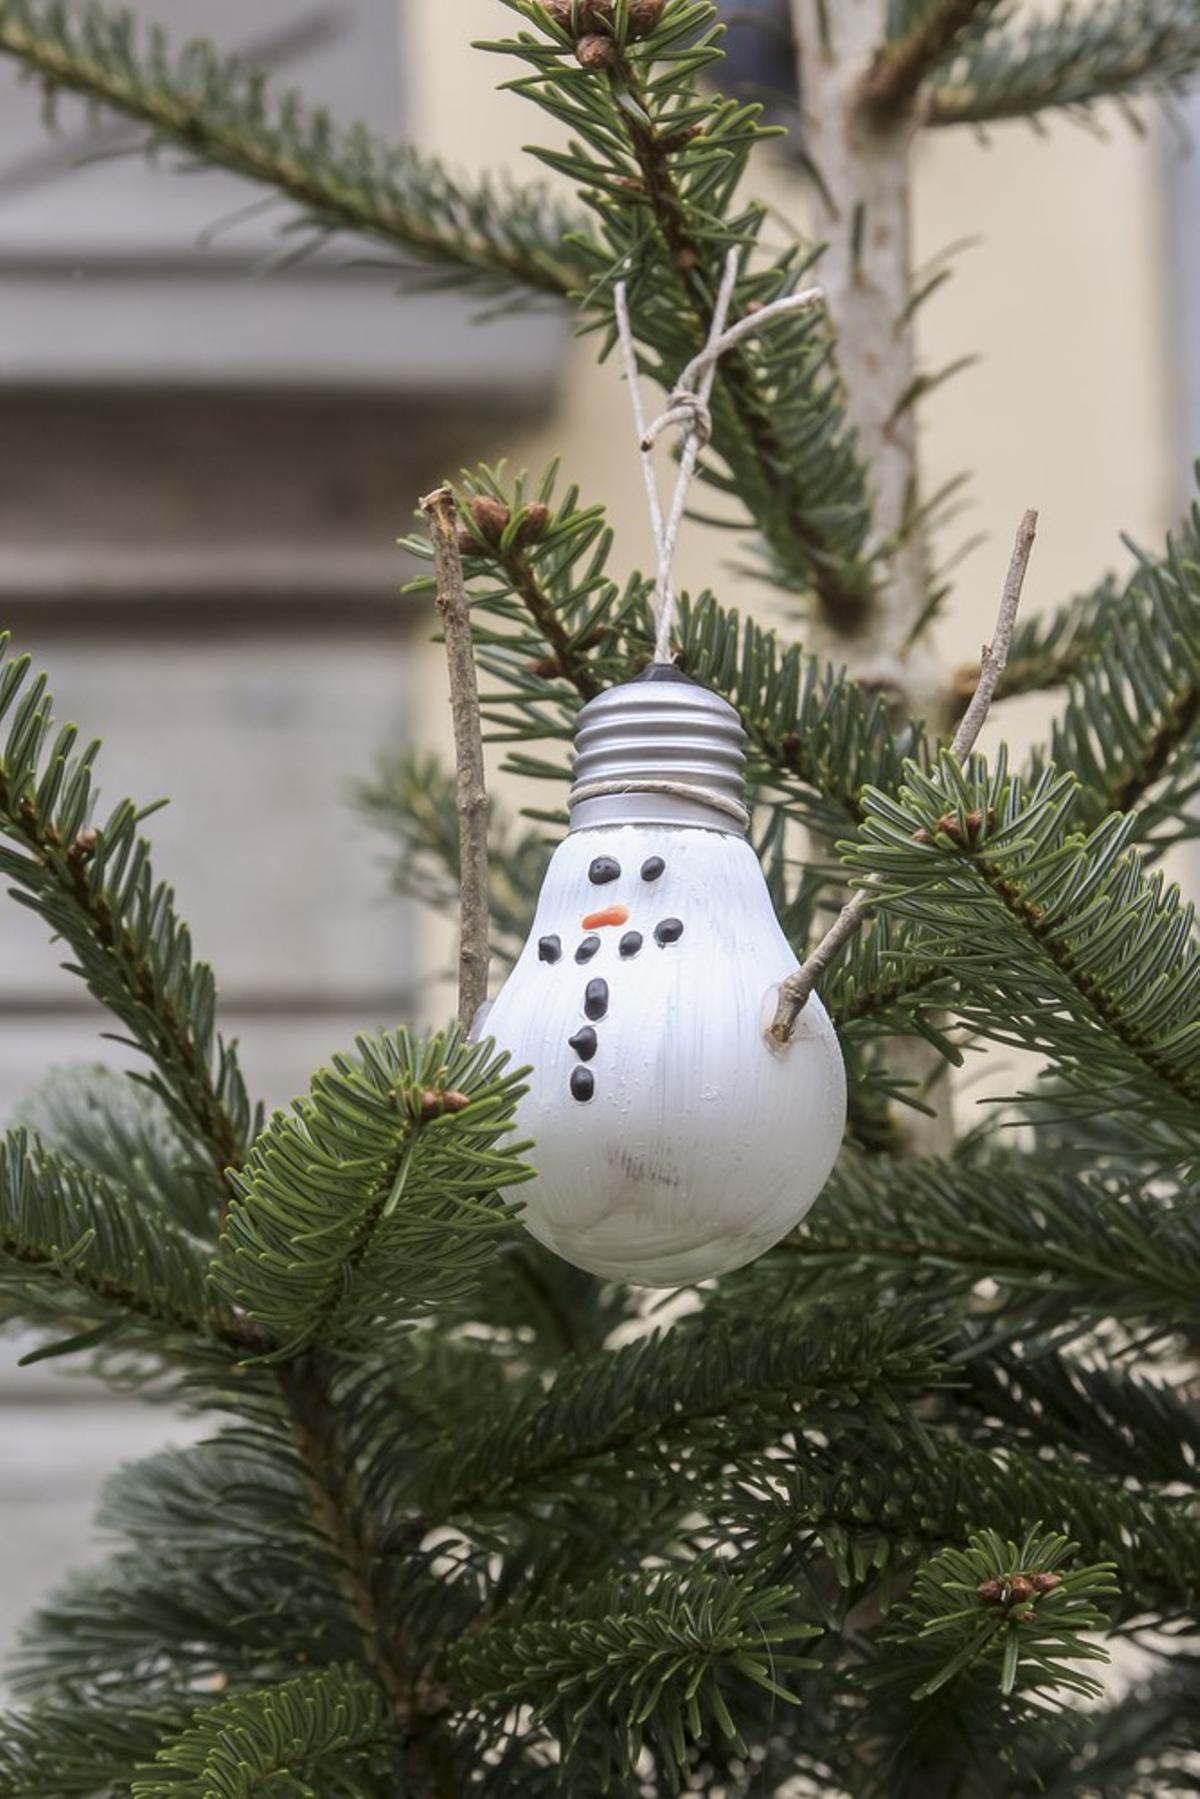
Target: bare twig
{"type": "Point", "coordinates": [794, 992]}
{"type": "Point", "coordinates": [471, 793]}
{"type": "Point", "coordinates": [995, 654]}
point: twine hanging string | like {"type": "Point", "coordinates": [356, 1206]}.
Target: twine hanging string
{"type": "Point", "coordinates": [687, 411]}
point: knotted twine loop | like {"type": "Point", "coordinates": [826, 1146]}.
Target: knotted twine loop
{"type": "Point", "coordinates": [685, 412]}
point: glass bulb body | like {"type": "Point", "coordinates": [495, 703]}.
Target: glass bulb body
{"type": "Point", "coordinates": [671, 1141]}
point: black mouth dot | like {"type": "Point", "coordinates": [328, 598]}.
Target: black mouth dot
{"type": "Point", "coordinates": [595, 999]}
{"type": "Point", "coordinates": [587, 949]}
{"type": "Point", "coordinates": [549, 949]}
{"type": "Point", "coordinates": [583, 1084]}
{"type": "Point", "coordinates": [669, 931]}
{"type": "Point", "coordinates": [604, 869]}
{"type": "Point", "coordinates": [584, 1043]}
{"type": "Point", "coordinates": [631, 943]}
{"type": "Point", "coordinates": [652, 867]}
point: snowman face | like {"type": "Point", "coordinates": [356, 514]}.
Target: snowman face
{"type": "Point", "coordinates": [669, 1141]}
{"type": "Point", "coordinates": [608, 931]}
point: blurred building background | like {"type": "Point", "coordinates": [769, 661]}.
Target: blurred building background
{"type": "Point", "coordinates": [207, 451]}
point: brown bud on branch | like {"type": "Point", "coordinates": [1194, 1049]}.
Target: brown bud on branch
{"type": "Point", "coordinates": [595, 51]}
{"type": "Point", "coordinates": [532, 524]}
{"type": "Point", "coordinates": [586, 18]}
{"type": "Point", "coordinates": [491, 516]}
{"type": "Point", "coordinates": [433, 1103]}
{"type": "Point", "coordinates": [83, 846]}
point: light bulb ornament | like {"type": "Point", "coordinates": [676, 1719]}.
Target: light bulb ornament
{"type": "Point", "coordinates": [687, 1095]}
{"type": "Point", "coordinates": [672, 1139]}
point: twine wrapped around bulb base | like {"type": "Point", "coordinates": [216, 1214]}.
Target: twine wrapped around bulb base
{"type": "Point", "coordinates": [660, 749]}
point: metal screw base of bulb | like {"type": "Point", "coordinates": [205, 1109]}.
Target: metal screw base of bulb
{"type": "Point", "coordinates": [659, 750]}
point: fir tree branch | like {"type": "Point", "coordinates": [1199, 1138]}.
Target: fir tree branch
{"type": "Point", "coordinates": [939, 1492]}
{"type": "Point", "coordinates": [74, 1248]}
{"type": "Point", "coordinates": [1050, 1401]}
{"type": "Point", "coordinates": [1093, 991]}
{"type": "Point", "coordinates": [1024, 1639]}
{"type": "Point", "coordinates": [335, 1503]}
{"type": "Point", "coordinates": [95, 889]}
{"type": "Point", "coordinates": [321, 1725]}
{"type": "Point", "coordinates": [873, 1002]}
{"type": "Point", "coordinates": [1158, 751]}
{"type": "Point", "coordinates": [644, 1655]}
{"type": "Point", "coordinates": [213, 107]}
{"type": "Point", "coordinates": [119, 1129]}
{"type": "Point", "coordinates": [112, 1266]}
{"type": "Point", "coordinates": [570, 661]}
{"type": "Point", "coordinates": [903, 64]}
{"type": "Point", "coordinates": [1059, 1247]}
{"type": "Point", "coordinates": [694, 1398]}
{"type": "Point", "coordinates": [63, 888]}
{"type": "Point", "coordinates": [1128, 727]}
{"type": "Point", "coordinates": [471, 800]}
{"type": "Point", "coordinates": [374, 1200]}
{"type": "Point", "coordinates": [1082, 55]}
{"type": "Point", "coordinates": [1065, 947]}
{"type": "Point", "coordinates": [73, 1750]}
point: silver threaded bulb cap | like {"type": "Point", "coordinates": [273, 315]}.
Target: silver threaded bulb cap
{"type": "Point", "coordinates": [661, 750]}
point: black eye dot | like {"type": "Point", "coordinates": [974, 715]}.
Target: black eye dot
{"type": "Point", "coordinates": [669, 931]}
{"type": "Point", "coordinates": [631, 943]}
{"type": "Point", "coordinates": [584, 1043]}
{"type": "Point", "coordinates": [652, 867]}
{"type": "Point", "coordinates": [595, 999]}
{"type": "Point", "coordinates": [583, 1083]}
{"type": "Point", "coordinates": [604, 869]}
{"type": "Point", "coordinates": [549, 949]}
{"type": "Point", "coordinates": [587, 949]}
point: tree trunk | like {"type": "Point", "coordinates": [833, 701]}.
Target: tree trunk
{"type": "Point", "coordinates": [865, 218]}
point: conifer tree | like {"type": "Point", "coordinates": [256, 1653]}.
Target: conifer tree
{"type": "Point", "coordinates": [869, 1516]}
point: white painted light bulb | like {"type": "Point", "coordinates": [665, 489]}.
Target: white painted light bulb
{"type": "Point", "coordinates": [671, 1142]}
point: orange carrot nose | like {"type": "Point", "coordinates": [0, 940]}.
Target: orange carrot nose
{"type": "Point", "coordinates": [610, 915]}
